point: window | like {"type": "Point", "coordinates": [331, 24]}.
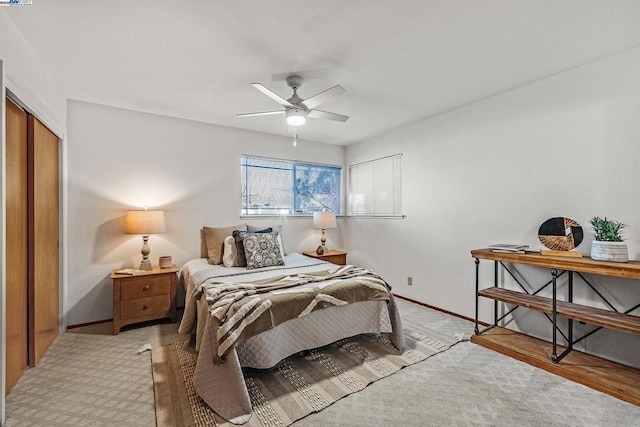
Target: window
{"type": "Point", "coordinates": [375, 187]}
{"type": "Point", "coordinates": [282, 187]}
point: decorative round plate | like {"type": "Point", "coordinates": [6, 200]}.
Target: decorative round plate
{"type": "Point", "coordinates": [560, 234]}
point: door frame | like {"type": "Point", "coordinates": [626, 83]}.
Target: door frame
{"type": "Point", "coordinates": [3, 239]}
{"type": "Point", "coordinates": [19, 92]}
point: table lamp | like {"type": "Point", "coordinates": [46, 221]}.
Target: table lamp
{"type": "Point", "coordinates": [145, 222]}
{"type": "Point", "coordinates": [324, 220]}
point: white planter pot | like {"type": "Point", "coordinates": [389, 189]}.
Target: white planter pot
{"type": "Point", "coordinates": [609, 251]}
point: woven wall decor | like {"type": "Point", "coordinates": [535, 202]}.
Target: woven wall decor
{"type": "Point", "coordinates": [560, 234]}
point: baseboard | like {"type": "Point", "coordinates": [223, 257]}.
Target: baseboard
{"type": "Point", "coordinates": [433, 307]}
{"type": "Point", "coordinates": [80, 325]}
{"type": "Point", "coordinates": [442, 310]}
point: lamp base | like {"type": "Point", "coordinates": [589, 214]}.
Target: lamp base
{"type": "Point", "coordinates": [145, 264]}
{"type": "Point", "coordinates": [323, 246]}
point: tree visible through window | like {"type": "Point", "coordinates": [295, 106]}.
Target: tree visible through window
{"type": "Point", "coordinates": [282, 187]}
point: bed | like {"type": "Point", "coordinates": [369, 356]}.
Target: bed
{"type": "Point", "coordinates": [275, 336]}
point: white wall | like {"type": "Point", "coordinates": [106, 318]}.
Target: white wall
{"type": "Point", "coordinates": [28, 79]}
{"type": "Point", "coordinates": [120, 159]}
{"type": "Point", "coordinates": [493, 171]}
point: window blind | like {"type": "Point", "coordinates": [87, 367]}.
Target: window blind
{"type": "Point", "coordinates": [375, 187]}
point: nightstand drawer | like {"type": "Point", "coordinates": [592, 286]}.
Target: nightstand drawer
{"type": "Point", "coordinates": [332, 256]}
{"type": "Point", "coordinates": [145, 306]}
{"type": "Point", "coordinates": [141, 287]}
{"type": "Point", "coordinates": [336, 259]}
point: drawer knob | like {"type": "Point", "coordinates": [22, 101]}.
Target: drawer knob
{"type": "Point", "coordinates": [146, 288]}
{"type": "Point", "coordinates": [145, 306]}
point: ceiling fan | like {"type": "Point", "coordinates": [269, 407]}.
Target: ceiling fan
{"type": "Point", "coordinates": [297, 109]}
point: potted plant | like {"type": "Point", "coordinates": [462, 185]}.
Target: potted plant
{"type": "Point", "coordinates": [608, 244]}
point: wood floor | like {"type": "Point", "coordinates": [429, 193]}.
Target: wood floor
{"type": "Point", "coordinates": [608, 377]}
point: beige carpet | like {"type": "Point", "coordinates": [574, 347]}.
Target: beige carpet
{"type": "Point", "coordinates": [296, 387]}
{"type": "Point", "coordinates": [92, 378]}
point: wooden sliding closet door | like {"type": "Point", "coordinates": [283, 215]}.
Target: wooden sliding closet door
{"type": "Point", "coordinates": [43, 226]}
{"type": "Point", "coordinates": [16, 244]}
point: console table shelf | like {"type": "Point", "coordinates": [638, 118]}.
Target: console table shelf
{"type": "Point", "coordinates": [628, 270]}
{"type": "Point", "coordinates": [555, 308]}
{"type": "Point", "coordinates": [603, 375]}
{"type": "Point", "coordinates": [582, 313]}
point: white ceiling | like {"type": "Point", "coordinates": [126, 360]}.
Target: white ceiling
{"type": "Point", "coordinates": [399, 61]}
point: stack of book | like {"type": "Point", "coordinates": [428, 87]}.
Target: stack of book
{"type": "Point", "coordinates": [506, 248]}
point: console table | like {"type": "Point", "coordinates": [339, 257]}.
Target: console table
{"type": "Point", "coordinates": [615, 318]}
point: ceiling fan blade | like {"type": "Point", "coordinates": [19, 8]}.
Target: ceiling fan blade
{"type": "Point", "coordinates": [262, 113]}
{"type": "Point", "coordinates": [271, 94]}
{"type": "Point", "coordinates": [322, 97]}
{"type": "Point", "coordinates": [319, 114]}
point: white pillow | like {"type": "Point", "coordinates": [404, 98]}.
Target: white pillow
{"type": "Point", "coordinates": [281, 245]}
{"type": "Point", "coordinates": [230, 253]}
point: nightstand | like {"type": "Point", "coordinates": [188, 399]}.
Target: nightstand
{"type": "Point", "coordinates": [145, 296]}
{"type": "Point", "coordinates": [335, 257]}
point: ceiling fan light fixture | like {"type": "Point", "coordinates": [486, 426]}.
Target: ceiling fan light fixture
{"type": "Point", "coordinates": [296, 109]}
{"type": "Point", "coordinates": [296, 116]}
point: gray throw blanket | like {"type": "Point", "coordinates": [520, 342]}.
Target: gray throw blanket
{"type": "Point", "coordinates": [242, 310]}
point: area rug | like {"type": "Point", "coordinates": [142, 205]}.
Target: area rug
{"type": "Point", "coordinates": [297, 386]}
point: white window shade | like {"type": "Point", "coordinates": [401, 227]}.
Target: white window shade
{"type": "Point", "coordinates": [375, 187]}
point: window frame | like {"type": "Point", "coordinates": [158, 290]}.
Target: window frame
{"type": "Point", "coordinates": [294, 190]}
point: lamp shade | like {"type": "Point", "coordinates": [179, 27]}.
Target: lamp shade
{"type": "Point", "coordinates": [324, 220]}
{"type": "Point", "coordinates": [145, 222]}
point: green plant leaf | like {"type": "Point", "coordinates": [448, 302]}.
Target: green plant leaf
{"type": "Point", "coordinates": [607, 230]}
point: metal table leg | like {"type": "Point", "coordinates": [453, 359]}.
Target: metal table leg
{"type": "Point", "coordinates": [554, 316]}
{"type": "Point", "coordinates": [477, 261]}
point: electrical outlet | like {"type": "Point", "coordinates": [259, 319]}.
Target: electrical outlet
{"type": "Point", "coordinates": [409, 280]}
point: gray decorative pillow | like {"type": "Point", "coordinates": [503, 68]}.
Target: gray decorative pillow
{"type": "Point", "coordinates": [277, 228]}
{"type": "Point", "coordinates": [261, 250]}
{"type": "Point", "coordinates": [241, 260]}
